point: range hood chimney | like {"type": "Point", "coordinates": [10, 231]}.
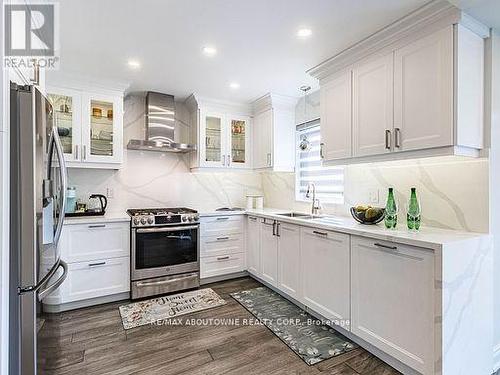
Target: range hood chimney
{"type": "Point", "coordinates": [160, 126]}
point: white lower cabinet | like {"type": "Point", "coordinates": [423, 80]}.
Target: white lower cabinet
{"type": "Point", "coordinates": [96, 279]}
{"type": "Point", "coordinates": [269, 251]}
{"type": "Point", "coordinates": [98, 258]}
{"type": "Point", "coordinates": [325, 261]}
{"type": "Point", "coordinates": [222, 265]}
{"type": "Point", "coordinates": [392, 299]}
{"type": "Point", "coordinates": [289, 259]}
{"type": "Point", "coordinates": [222, 245]}
{"type": "Point", "coordinates": [253, 245]}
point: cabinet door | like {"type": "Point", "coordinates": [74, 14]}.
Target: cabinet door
{"type": "Point", "coordinates": [213, 135]}
{"type": "Point", "coordinates": [102, 131]}
{"type": "Point", "coordinates": [263, 139]}
{"type": "Point", "coordinates": [372, 106]}
{"type": "Point", "coordinates": [253, 246]}
{"type": "Point", "coordinates": [336, 117]}
{"type": "Point", "coordinates": [238, 151]}
{"type": "Point", "coordinates": [67, 112]}
{"type": "Point", "coordinates": [423, 92]}
{"type": "Point", "coordinates": [392, 300]}
{"type": "Point", "coordinates": [289, 259]}
{"type": "Point", "coordinates": [325, 259]}
{"type": "Point", "coordinates": [269, 252]}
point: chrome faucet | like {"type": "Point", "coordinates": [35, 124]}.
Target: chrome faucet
{"type": "Point", "coordinates": [316, 206]}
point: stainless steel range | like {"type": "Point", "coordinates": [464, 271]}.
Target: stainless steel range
{"type": "Point", "coordinates": [165, 250]}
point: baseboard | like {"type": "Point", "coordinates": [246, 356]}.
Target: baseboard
{"type": "Point", "coordinates": [85, 303]}
{"type": "Point", "coordinates": [216, 279]}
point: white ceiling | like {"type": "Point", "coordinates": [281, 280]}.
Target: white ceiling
{"type": "Point", "coordinates": [255, 39]}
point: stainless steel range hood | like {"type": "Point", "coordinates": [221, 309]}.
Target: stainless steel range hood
{"type": "Point", "coordinates": [160, 126]}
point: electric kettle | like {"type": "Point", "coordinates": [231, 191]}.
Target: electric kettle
{"type": "Point", "coordinates": [102, 203]}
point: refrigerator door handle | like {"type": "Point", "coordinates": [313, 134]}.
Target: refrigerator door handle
{"type": "Point", "coordinates": [41, 283]}
{"type": "Point", "coordinates": [56, 141]}
{"type": "Point", "coordinates": [44, 293]}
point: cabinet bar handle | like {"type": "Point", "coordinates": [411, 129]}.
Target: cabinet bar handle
{"type": "Point", "coordinates": [228, 160]}
{"type": "Point", "coordinates": [388, 139]}
{"type": "Point", "coordinates": [97, 226]}
{"type": "Point", "coordinates": [278, 231]}
{"type": "Point", "coordinates": [253, 218]}
{"type": "Point", "coordinates": [321, 150]}
{"type": "Point", "coordinates": [224, 160]}
{"type": "Point", "coordinates": [76, 152]}
{"type": "Point", "coordinates": [385, 246]}
{"type": "Point", "coordinates": [397, 137]}
{"type": "Point", "coordinates": [84, 152]}
{"type": "Point", "coordinates": [222, 238]}
{"type": "Point", "coordinates": [222, 218]}
{"type": "Point", "coordinates": [97, 264]}
{"type": "Point", "coordinates": [223, 258]}
{"type": "Point", "coordinates": [320, 233]}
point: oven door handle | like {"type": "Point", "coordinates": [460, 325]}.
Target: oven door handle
{"type": "Point", "coordinates": [162, 282]}
{"type": "Point", "coordinates": [165, 229]}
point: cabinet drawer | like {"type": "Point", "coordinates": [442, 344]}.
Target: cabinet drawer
{"type": "Point", "coordinates": [86, 242]}
{"type": "Point", "coordinates": [221, 245]}
{"type": "Point", "coordinates": [222, 265]}
{"type": "Point", "coordinates": [96, 279]}
{"type": "Point", "coordinates": [221, 225]}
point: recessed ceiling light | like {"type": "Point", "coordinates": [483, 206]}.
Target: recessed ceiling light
{"type": "Point", "coordinates": [304, 33]}
{"type": "Point", "coordinates": [209, 51]}
{"type": "Point", "coordinates": [234, 85]}
{"type": "Point", "coordinates": [133, 64]}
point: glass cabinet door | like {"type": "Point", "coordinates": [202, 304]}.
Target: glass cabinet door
{"type": "Point", "coordinates": [213, 134]}
{"type": "Point", "coordinates": [67, 117]}
{"type": "Point", "coordinates": [101, 140]}
{"type": "Point", "coordinates": [238, 142]}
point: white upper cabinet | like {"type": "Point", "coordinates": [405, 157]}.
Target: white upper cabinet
{"type": "Point", "coordinates": [423, 87]}
{"type": "Point", "coordinates": [90, 124]}
{"type": "Point", "coordinates": [336, 127]}
{"type": "Point", "coordinates": [222, 132]}
{"type": "Point", "coordinates": [413, 89]}
{"type": "Point", "coordinates": [372, 106]}
{"type": "Point", "coordinates": [274, 135]}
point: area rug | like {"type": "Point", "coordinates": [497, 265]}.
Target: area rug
{"type": "Point", "coordinates": [305, 335]}
{"type": "Point", "coordinates": [150, 311]}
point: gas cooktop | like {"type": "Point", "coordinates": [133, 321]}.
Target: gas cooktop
{"type": "Point", "coordinates": [148, 217]}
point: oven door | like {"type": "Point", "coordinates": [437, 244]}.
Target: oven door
{"type": "Point", "coordinates": [161, 251]}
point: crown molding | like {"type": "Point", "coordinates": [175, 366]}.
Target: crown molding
{"type": "Point", "coordinates": [274, 101]}
{"type": "Point", "coordinates": [431, 17]}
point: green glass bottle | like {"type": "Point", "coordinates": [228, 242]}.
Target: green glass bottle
{"type": "Point", "coordinates": [413, 214]}
{"type": "Point", "coordinates": [391, 211]}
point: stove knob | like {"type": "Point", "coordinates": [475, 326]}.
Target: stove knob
{"type": "Point", "coordinates": [191, 218]}
{"type": "Point", "coordinates": [143, 220]}
{"type": "Point", "coordinates": [196, 217]}
{"type": "Point", "coordinates": [136, 221]}
{"type": "Point", "coordinates": [184, 218]}
{"type": "Point", "coordinates": [150, 220]}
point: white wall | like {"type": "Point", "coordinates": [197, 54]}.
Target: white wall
{"type": "Point", "coordinates": [494, 185]}
{"type": "Point", "coordinates": [151, 179]}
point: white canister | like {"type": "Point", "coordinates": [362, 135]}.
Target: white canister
{"type": "Point", "coordinates": [259, 202]}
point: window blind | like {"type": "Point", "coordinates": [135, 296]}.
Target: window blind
{"type": "Point", "coordinates": [329, 181]}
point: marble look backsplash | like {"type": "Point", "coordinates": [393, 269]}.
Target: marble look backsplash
{"type": "Point", "coordinates": [453, 191]}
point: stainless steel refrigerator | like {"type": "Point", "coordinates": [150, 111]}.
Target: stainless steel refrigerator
{"type": "Point", "coordinates": [38, 184]}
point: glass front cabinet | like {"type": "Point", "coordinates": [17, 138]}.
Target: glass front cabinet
{"type": "Point", "coordinates": [224, 140]}
{"type": "Point", "coordinates": [90, 125]}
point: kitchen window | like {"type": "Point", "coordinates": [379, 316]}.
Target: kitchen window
{"type": "Point", "coordinates": [329, 181]}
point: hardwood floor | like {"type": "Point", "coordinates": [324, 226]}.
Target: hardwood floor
{"type": "Point", "coordinates": [93, 341]}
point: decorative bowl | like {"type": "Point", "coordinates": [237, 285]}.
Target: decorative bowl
{"type": "Point", "coordinates": [362, 217]}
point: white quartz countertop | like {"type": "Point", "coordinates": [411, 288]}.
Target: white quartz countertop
{"type": "Point", "coordinates": [427, 237]}
{"type": "Point", "coordinates": [107, 218]}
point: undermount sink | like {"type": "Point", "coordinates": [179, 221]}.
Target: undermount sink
{"type": "Point", "coordinates": [297, 215]}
